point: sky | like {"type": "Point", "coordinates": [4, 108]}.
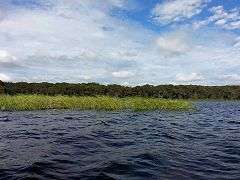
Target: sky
{"type": "Point", "coordinates": [127, 42]}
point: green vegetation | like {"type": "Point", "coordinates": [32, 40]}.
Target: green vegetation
{"type": "Point", "coordinates": [94, 89]}
{"type": "Point", "coordinates": [37, 96]}
{"type": "Point", "coordinates": [41, 102]}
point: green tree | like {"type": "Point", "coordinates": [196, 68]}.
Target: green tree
{"type": "Point", "coordinates": [2, 89]}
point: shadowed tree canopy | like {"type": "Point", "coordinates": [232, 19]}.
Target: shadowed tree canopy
{"type": "Point", "coordinates": [2, 91]}
{"type": "Point", "coordinates": [94, 89]}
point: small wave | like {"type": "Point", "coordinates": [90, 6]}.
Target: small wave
{"type": "Point", "coordinates": [203, 144]}
{"type": "Point", "coordinates": [4, 119]}
{"type": "Point", "coordinates": [234, 122]}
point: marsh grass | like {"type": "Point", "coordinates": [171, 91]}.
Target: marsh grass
{"type": "Point", "coordinates": [41, 102]}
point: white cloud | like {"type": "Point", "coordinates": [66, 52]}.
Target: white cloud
{"type": "Point", "coordinates": [69, 28]}
{"type": "Point", "coordinates": [4, 77]}
{"type": "Point", "coordinates": [84, 77]}
{"type": "Point", "coordinates": [237, 43]}
{"type": "Point", "coordinates": [117, 3]}
{"type": "Point", "coordinates": [189, 77]}
{"type": "Point", "coordinates": [122, 74]}
{"type": "Point", "coordinates": [177, 10]}
{"type": "Point", "coordinates": [232, 77]}
{"type": "Point", "coordinates": [6, 56]}
{"type": "Point", "coordinates": [173, 44]}
{"type": "Point", "coordinates": [80, 41]}
{"type": "Point", "coordinates": [227, 19]}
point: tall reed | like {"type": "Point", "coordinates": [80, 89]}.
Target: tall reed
{"type": "Point", "coordinates": [41, 102]}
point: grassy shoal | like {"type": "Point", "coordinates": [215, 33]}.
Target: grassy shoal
{"type": "Point", "coordinates": [41, 102]}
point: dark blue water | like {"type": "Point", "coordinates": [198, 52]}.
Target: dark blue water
{"type": "Point", "coordinates": [204, 144]}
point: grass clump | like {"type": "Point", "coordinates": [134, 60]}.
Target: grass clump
{"type": "Point", "coordinates": [41, 102]}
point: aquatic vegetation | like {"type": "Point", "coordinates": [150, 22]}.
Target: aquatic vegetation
{"type": "Point", "coordinates": [42, 102]}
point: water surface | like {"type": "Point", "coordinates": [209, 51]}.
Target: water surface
{"type": "Point", "coordinates": [204, 144]}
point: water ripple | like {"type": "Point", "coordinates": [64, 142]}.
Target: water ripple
{"type": "Point", "coordinates": [55, 144]}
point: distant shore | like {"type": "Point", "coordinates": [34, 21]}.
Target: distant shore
{"type": "Point", "coordinates": [191, 92]}
{"type": "Point", "coordinates": [105, 103]}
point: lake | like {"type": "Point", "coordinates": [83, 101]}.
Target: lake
{"type": "Point", "coordinates": [202, 144]}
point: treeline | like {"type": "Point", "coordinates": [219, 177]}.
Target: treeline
{"type": "Point", "coordinates": [94, 89]}
{"type": "Point", "coordinates": [2, 90]}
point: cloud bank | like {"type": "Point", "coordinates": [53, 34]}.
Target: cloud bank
{"type": "Point", "coordinates": [84, 41]}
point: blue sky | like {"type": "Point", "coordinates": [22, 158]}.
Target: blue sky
{"type": "Point", "coordinates": [128, 42]}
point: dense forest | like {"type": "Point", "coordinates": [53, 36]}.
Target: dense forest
{"type": "Point", "coordinates": [94, 89]}
{"type": "Point", "coordinates": [1, 87]}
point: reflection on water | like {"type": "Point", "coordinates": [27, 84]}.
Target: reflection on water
{"type": "Point", "coordinates": [122, 145]}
